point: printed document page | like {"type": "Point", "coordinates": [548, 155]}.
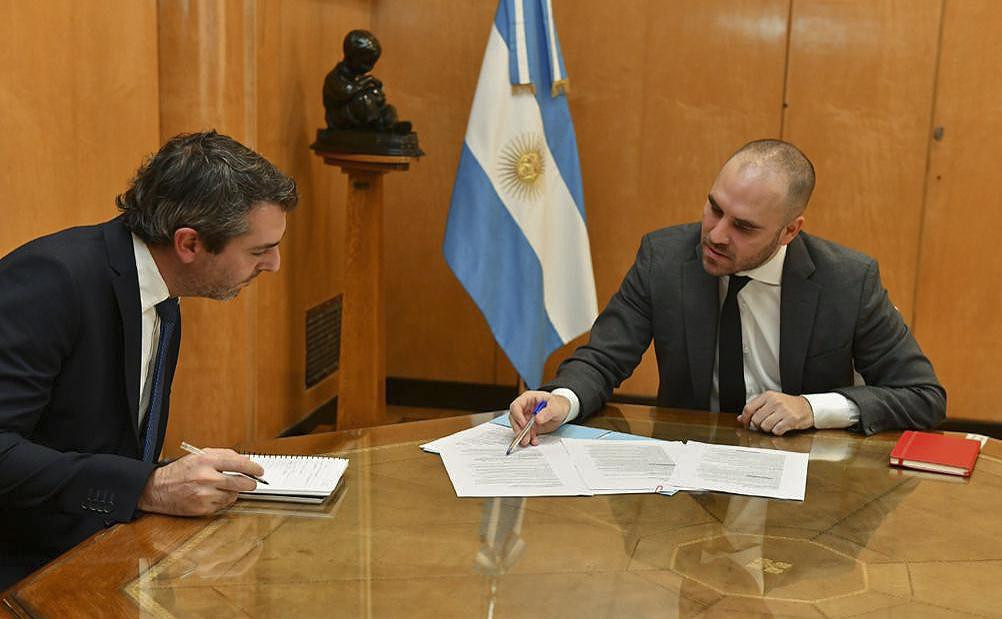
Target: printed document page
{"type": "Point", "coordinates": [625, 466]}
{"type": "Point", "coordinates": [568, 430]}
{"type": "Point", "coordinates": [743, 470]}
{"type": "Point", "coordinates": [485, 434]}
{"type": "Point", "coordinates": [495, 433]}
{"type": "Point", "coordinates": [483, 470]}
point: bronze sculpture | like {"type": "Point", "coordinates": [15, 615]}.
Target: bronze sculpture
{"type": "Point", "coordinates": [359, 120]}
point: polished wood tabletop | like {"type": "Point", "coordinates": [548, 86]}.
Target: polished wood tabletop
{"type": "Point", "coordinates": [869, 540]}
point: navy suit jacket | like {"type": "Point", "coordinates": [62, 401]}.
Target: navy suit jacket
{"type": "Point", "coordinates": [70, 339]}
{"type": "Point", "coordinates": [835, 316]}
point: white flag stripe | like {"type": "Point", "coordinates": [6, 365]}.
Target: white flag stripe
{"type": "Point", "coordinates": [521, 50]}
{"type": "Point", "coordinates": [555, 230]}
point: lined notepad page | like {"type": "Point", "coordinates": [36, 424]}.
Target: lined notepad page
{"type": "Point", "coordinates": [302, 475]}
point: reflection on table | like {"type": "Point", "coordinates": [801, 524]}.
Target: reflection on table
{"type": "Point", "coordinates": [396, 541]}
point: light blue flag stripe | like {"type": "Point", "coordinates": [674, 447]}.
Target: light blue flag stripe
{"type": "Point", "coordinates": [491, 257]}
{"type": "Point", "coordinates": [557, 125]}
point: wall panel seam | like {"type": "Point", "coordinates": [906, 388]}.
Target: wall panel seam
{"type": "Point", "coordinates": [783, 103]}
{"type": "Point", "coordinates": [928, 169]}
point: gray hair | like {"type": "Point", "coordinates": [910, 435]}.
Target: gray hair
{"type": "Point", "coordinates": [205, 181]}
{"type": "Point", "coordinates": [787, 160]}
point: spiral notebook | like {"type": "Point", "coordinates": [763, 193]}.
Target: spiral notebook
{"type": "Point", "coordinates": [297, 479]}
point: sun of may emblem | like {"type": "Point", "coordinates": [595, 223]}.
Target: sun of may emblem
{"type": "Point", "coordinates": [522, 165]}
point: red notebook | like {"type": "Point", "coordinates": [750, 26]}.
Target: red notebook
{"type": "Point", "coordinates": [936, 452]}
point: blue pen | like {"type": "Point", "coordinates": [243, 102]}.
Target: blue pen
{"type": "Point", "coordinates": [525, 430]}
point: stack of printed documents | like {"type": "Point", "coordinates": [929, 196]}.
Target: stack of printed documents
{"type": "Point", "coordinates": [578, 460]}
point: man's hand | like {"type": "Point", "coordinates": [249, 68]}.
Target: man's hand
{"type": "Point", "coordinates": [547, 420]}
{"type": "Point", "coordinates": [777, 413]}
{"type": "Point", "coordinates": [195, 485]}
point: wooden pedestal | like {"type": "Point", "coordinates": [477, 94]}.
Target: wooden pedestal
{"type": "Point", "coordinates": [362, 394]}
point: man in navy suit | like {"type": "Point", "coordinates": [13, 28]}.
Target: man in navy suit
{"type": "Point", "coordinates": [748, 314]}
{"type": "Point", "coordinates": [89, 337]}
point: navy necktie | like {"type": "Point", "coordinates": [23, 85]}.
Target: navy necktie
{"type": "Point", "coordinates": [170, 319]}
{"type": "Point", "coordinates": [730, 351]}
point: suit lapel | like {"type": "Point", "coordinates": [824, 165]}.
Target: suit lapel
{"type": "Point", "coordinates": [797, 308]}
{"type": "Point", "coordinates": [700, 301]}
{"type": "Point", "coordinates": [125, 282]}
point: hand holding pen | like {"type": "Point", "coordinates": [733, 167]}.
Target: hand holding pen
{"type": "Point", "coordinates": [195, 450]}
{"type": "Point", "coordinates": [547, 410]}
{"type": "Point", "coordinates": [525, 429]}
{"type": "Point", "coordinates": [199, 485]}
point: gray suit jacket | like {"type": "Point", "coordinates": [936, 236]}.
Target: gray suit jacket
{"type": "Point", "coordinates": [834, 316]}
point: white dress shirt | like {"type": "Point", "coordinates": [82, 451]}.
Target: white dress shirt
{"type": "Point", "coordinates": [759, 305]}
{"type": "Point", "coordinates": [152, 290]}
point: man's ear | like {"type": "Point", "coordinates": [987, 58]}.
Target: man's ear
{"type": "Point", "coordinates": [791, 230]}
{"type": "Point", "coordinates": [187, 245]}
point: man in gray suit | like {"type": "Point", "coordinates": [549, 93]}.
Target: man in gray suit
{"type": "Point", "coordinates": [781, 349]}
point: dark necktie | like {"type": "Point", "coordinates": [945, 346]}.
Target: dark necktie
{"type": "Point", "coordinates": [170, 318]}
{"type": "Point", "coordinates": [730, 352]}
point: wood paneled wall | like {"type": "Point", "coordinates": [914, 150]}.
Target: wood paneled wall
{"type": "Point", "coordinates": [88, 90]}
{"type": "Point", "coordinates": [859, 93]}
{"type": "Point", "coordinates": [434, 331]}
{"type": "Point", "coordinates": [207, 66]}
{"type": "Point", "coordinates": [661, 93]}
{"type": "Point", "coordinates": [298, 43]}
{"type": "Point", "coordinates": [78, 110]}
{"type": "Point", "coordinates": [957, 305]}
{"type": "Point", "coordinates": [254, 70]}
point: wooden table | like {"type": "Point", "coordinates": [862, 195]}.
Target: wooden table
{"type": "Point", "coordinates": [396, 541]}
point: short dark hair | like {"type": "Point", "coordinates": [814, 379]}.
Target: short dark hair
{"type": "Point", "coordinates": [206, 181]}
{"type": "Point", "coordinates": [789, 161]}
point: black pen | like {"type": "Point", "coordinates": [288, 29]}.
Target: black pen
{"type": "Point", "coordinates": [195, 450]}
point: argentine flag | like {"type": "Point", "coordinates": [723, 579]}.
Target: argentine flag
{"type": "Point", "coordinates": [516, 235]}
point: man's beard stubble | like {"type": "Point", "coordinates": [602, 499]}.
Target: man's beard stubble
{"type": "Point", "coordinates": [207, 289]}
{"type": "Point", "coordinates": [752, 263]}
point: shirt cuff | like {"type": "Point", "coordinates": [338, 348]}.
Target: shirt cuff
{"type": "Point", "coordinates": [832, 410]}
{"type": "Point", "coordinates": [575, 403]}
